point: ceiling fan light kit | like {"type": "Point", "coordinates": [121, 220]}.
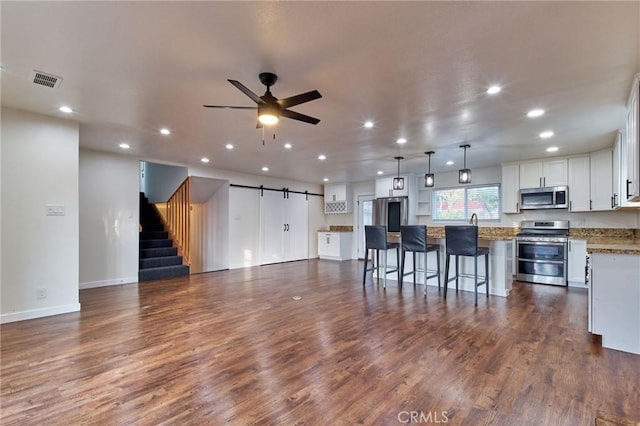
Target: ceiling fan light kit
{"type": "Point", "coordinates": [429, 178]}
{"type": "Point", "coordinates": [398, 182]}
{"type": "Point", "coordinates": [270, 108]}
{"type": "Point", "coordinates": [464, 174]}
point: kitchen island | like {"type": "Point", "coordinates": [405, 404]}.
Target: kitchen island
{"type": "Point", "coordinates": [500, 243]}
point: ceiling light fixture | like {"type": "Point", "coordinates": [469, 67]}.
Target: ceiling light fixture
{"type": "Point", "coordinates": [493, 90]}
{"type": "Point", "coordinates": [398, 182]}
{"type": "Point", "coordinates": [65, 109]}
{"type": "Point", "coordinates": [401, 141]}
{"type": "Point", "coordinates": [204, 159]}
{"type": "Point", "coordinates": [229, 146]}
{"type": "Point", "coordinates": [165, 131]}
{"type": "Point", "coordinates": [535, 113]}
{"type": "Point", "coordinates": [325, 179]}
{"type": "Point", "coordinates": [380, 172]}
{"type": "Point", "coordinates": [124, 145]}
{"type": "Point", "coordinates": [449, 163]}
{"type": "Point", "coordinates": [546, 134]}
{"type": "Point", "coordinates": [368, 124]}
{"type": "Point", "coordinates": [552, 149]}
{"type": "Point", "coordinates": [429, 179]}
{"type": "Point", "coordinates": [287, 145]}
{"type": "Point", "coordinates": [265, 169]}
{"type": "Point", "coordinates": [464, 174]}
{"type": "Point", "coordinates": [322, 157]}
{"type": "Point", "coordinates": [268, 114]}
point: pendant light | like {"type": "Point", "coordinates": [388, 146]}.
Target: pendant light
{"type": "Point", "coordinates": [464, 174]}
{"type": "Point", "coordinates": [398, 182]}
{"type": "Point", "coordinates": [429, 179]}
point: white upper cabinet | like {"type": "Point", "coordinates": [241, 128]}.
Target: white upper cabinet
{"type": "Point", "coordinates": [630, 165]}
{"type": "Point", "coordinates": [510, 188]}
{"type": "Point", "coordinates": [384, 187]}
{"type": "Point", "coordinates": [534, 174]}
{"type": "Point", "coordinates": [579, 190]}
{"type": "Point", "coordinates": [337, 199]}
{"type": "Point", "coordinates": [601, 180]}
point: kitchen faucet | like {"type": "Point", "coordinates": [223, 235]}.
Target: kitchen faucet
{"type": "Point", "coordinates": [474, 219]}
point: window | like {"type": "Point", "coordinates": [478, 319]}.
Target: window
{"type": "Point", "coordinates": [461, 203]}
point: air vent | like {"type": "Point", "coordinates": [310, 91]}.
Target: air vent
{"type": "Point", "coordinates": [44, 79]}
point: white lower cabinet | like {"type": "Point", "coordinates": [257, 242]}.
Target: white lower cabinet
{"type": "Point", "coordinates": [284, 227]}
{"type": "Point", "coordinates": [334, 245]}
{"type": "Point", "coordinates": [614, 300]}
{"type": "Point", "coordinates": [577, 263]}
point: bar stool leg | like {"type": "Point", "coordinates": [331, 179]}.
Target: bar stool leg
{"type": "Point", "coordinates": [438, 266]}
{"type": "Point", "coordinates": [486, 272]}
{"type": "Point", "coordinates": [414, 268]}
{"type": "Point", "coordinates": [446, 274]}
{"type": "Point", "coordinates": [384, 271]}
{"type": "Point", "coordinates": [475, 281]}
{"type": "Point", "coordinates": [457, 273]}
{"type": "Point", "coordinates": [378, 266]}
{"type": "Point", "coordinates": [426, 254]}
{"type": "Point", "coordinates": [402, 269]}
{"type": "Point", "coordinates": [366, 258]}
{"type": "Point", "coordinates": [398, 266]}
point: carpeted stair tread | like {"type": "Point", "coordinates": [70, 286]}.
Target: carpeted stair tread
{"type": "Point", "coordinates": [154, 235]}
{"type": "Point", "coordinates": [157, 262]}
{"type": "Point", "coordinates": [147, 244]}
{"type": "Point", "coordinates": [163, 272]}
{"type": "Point", "coordinates": [152, 227]}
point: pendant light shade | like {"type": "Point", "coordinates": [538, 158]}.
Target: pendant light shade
{"type": "Point", "coordinates": [429, 179]}
{"type": "Point", "coordinates": [464, 174]}
{"type": "Point", "coordinates": [398, 182]}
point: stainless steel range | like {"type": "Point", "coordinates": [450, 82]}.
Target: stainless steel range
{"type": "Point", "coordinates": [541, 250]}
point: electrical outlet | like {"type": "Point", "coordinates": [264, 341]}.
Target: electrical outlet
{"type": "Point", "coordinates": [55, 209]}
{"type": "Point", "coordinates": [41, 293]}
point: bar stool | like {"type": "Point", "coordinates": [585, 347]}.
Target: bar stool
{"type": "Point", "coordinates": [375, 237]}
{"type": "Point", "coordinates": [463, 241]}
{"type": "Point", "coordinates": [414, 240]}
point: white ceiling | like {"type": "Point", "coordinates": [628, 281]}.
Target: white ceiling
{"type": "Point", "coordinates": [419, 70]}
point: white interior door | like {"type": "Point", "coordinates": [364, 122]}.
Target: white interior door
{"type": "Point", "coordinates": [296, 230]}
{"type": "Point", "coordinates": [365, 217]}
{"type": "Point", "coordinates": [272, 227]}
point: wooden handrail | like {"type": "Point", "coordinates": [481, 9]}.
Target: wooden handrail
{"type": "Point", "coordinates": [178, 218]}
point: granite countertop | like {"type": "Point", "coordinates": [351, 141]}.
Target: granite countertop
{"type": "Point", "coordinates": [338, 228]}
{"type": "Point", "coordinates": [613, 245]}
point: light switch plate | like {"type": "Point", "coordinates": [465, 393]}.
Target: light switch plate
{"type": "Point", "coordinates": [55, 209]}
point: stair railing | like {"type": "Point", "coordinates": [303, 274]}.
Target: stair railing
{"type": "Point", "coordinates": [178, 215]}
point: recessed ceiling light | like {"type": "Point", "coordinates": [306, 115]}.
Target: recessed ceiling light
{"type": "Point", "coordinates": [204, 159]}
{"type": "Point", "coordinates": [546, 134]}
{"type": "Point", "coordinates": [552, 149]}
{"type": "Point", "coordinates": [368, 124]}
{"type": "Point", "coordinates": [401, 141]}
{"type": "Point", "coordinates": [449, 163]}
{"type": "Point", "coordinates": [265, 169]}
{"type": "Point", "coordinates": [287, 145]}
{"type": "Point", "coordinates": [325, 179]}
{"type": "Point", "coordinates": [535, 113]}
{"type": "Point", "coordinates": [465, 115]}
{"type": "Point", "coordinates": [380, 172]}
{"type": "Point", "coordinates": [322, 157]}
{"type": "Point", "coordinates": [229, 146]}
{"type": "Point", "coordinates": [66, 109]}
{"type": "Point", "coordinates": [493, 90]}
{"type": "Point", "coordinates": [124, 145]}
{"type": "Point", "coordinates": [165, 131]}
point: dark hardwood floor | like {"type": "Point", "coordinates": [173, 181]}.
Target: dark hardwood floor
{"type": "Point", "coordinates": [236, 347]}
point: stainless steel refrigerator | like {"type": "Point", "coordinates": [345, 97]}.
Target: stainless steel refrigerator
{"type": "Point", "coordinates": [391, 212]}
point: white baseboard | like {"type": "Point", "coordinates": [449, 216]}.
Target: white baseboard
{"type": "Point", "coordinates": [39, 313]}
{"type": "Point", "coordinates": [105, 283]}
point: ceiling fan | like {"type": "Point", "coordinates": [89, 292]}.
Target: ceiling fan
{"type": "Point", "coordinates": [271, 108]}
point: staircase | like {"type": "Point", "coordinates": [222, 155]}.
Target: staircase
{"type": "Point", "coordinates": [158, 258]}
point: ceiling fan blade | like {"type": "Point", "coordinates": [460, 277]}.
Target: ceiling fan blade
{"type": "Point", "coordinates": [299, 99]}
{"type": "Point", "coordinates": [297, 116]}
{"type": "Point", "coordinates": [244, 89]}
{"type": "Point", "coordinates": [229, 107]}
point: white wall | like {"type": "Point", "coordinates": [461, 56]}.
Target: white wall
{"type": "Point", "coordinates": [39, 167]}
{"type": "Point", "coordinates": [109, 218]}
{"type": "Point", "coordinates": [210, 232]}
{"type": "Point", "coordinates": [161, 180]}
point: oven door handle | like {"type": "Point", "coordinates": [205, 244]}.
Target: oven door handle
{"type": "Point", "coordinates": [556, 262]}
{"type": "Point", "coordinates": [537, 243]}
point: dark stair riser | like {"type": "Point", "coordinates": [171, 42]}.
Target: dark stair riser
{"type": "Point", "coordinates": [163, 272]}
{"type": "Point", "coordinates": [154, 235]}
{"type": "Point", "coordinates": [147, 244]}
{"type": "Point", "coordinates": [152, 227]}
{"type": "Point", "coordinates": [157, 262]}
{"type": "Point", "coordinates": [158, 252]}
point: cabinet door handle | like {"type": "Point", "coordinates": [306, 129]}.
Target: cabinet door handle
{"type": "Point", "coordinates": [544, 181]}
{"type": "Point", "coordinates": [570, 206]}
{"type": "Point", "coordinates": [612, 201]}
{"type": "Point", "coordinates": [628, 183]}
{"type": "Point", "coordinates": [590, 204]}
{"type": "Point", "coordinates": [284, 228]}
{"type": "Point", "coordinates": [540, 181]}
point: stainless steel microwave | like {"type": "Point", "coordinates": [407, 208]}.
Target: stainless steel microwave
{"type": "Point", "coordinates": [552, 197]}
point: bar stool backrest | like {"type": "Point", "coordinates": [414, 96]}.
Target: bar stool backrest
{"type": "Point", "coordinates": [461, 240]}
{"type": "Point", "coordinates": [414, 237]}
{"type": "Point", "coordinates": [375, 237]}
